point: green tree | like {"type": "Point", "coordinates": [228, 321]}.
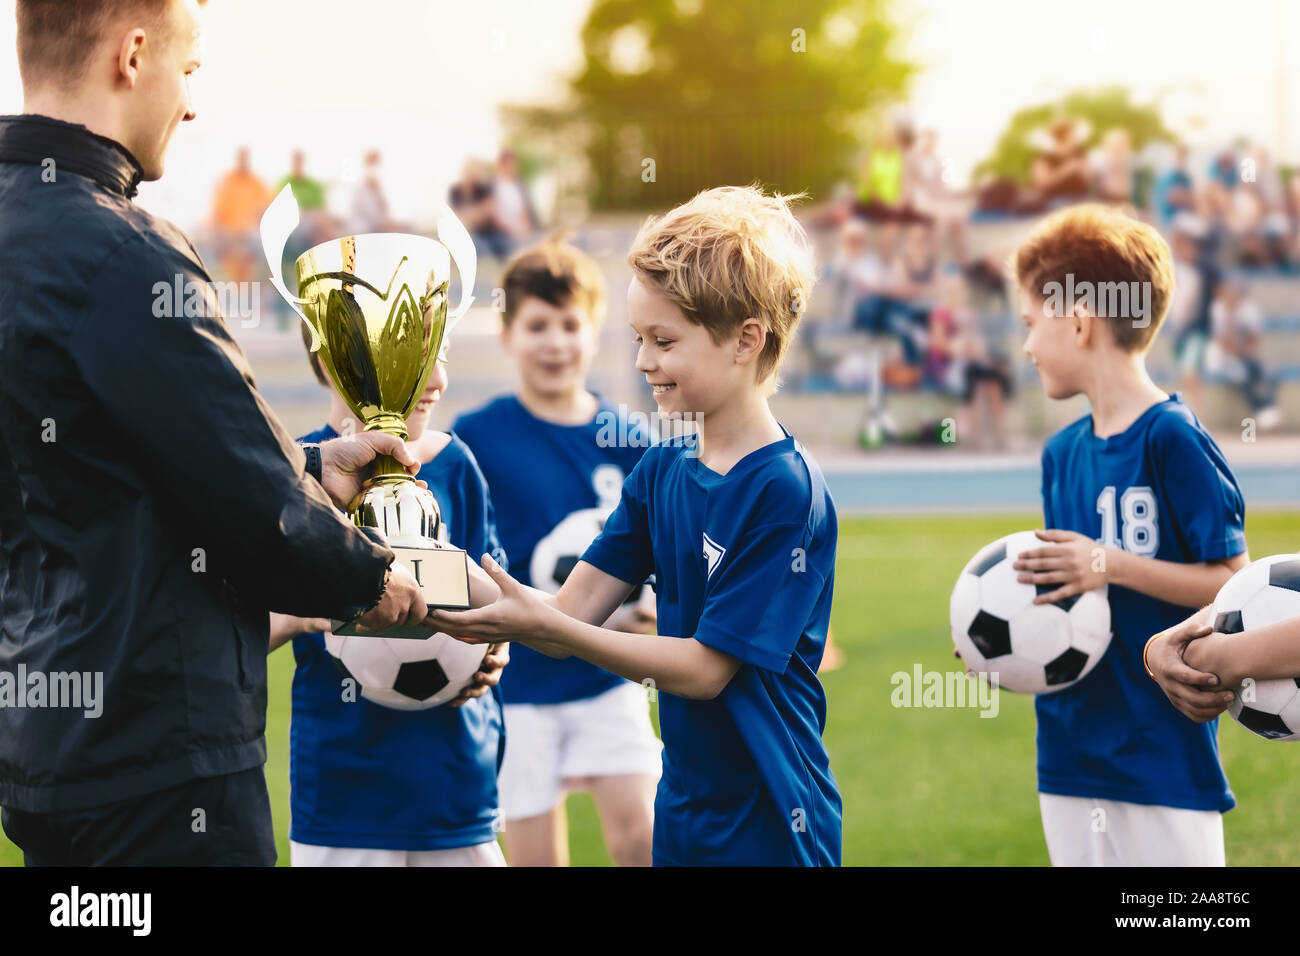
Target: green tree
{"type": "Point", "coordinates": [675, 96]}
{"type": "Point", "coordinates": [1103, 109]}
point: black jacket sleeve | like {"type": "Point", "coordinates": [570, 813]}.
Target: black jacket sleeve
{"type": "Point", "coordinates": [182, 393]}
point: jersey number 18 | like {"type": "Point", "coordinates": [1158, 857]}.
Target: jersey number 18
{"type": "Point", "coordinates": [1137, 508]}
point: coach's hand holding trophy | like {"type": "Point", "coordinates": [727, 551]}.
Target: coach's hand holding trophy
{"type": "Point", "coordinates": [376, 306]}
{"type": "Point", "coordinates": [344, 465]}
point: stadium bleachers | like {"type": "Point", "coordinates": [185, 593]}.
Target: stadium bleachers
{"type": "Point", "coordinates": [810, 401]}
{"type": "Point", "coordinates": [833, 405]}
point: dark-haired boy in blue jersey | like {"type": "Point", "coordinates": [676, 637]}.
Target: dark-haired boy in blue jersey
{"type": "Point", "coordinates": [374, 786]}
{"type": "Point", "coordinates": [555, 457]}
{"type": "Point", "coordinates": [739, 530]}
{"type": "Point", "coordinates": [1138, 497]}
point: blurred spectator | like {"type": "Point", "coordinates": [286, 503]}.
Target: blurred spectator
{"type": "Point", "coordinates": [1234, 351]}
{"type": "Point", "coordinates": [238, 203]}
{"type": "Point", "coordinates": [1174, 191]}
{"type": "Point", "coordinates": [514, 206]}
{"type": "Point", "coordinates": [932, 198]}
{"type": "Point", "coordinates": [912, 288]}
{"type": "Point", "coordinates": [473, 200]}
{"type": "Point", "coordinates": [1261, 205]}
{"type": "Point", "coordinates": [958, 361]}
{"type": "Point", "coordinates": [1188, 318]}
{"type": "Point", "coordinates": [1293, 215]}
{"type": "Point", "coordinates": [1223, 168]}
{"type": "Point", "coordinates": [837, 291]}
{"type": "Point", "coordinates": [1115, 167]}
{"type": "Point", "coordinates": [1060, 172]}
{"type": "Point", "coordinates": [894, 295]}
{"type": "Point", "coordinates": [853, 269]}
{"type": "Point", "coordinates": [313, 224]}
{"type": "Point", "coordinates": [862, 276]}
{"type": "Point", "coordinates": [883, 188]}
{"type": "Point", "coordinates": [309, 193]}
{"type": "Point", "coordinates": [369, 210]}
{"type": "Point", "coordinates": [1215, 198]}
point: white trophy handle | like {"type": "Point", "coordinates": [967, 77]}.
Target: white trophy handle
{"type": "Point", "coordinates": [278, 223]}
{"type": "Point", "coordinates": [453, 235]}
{"type": "Point", "coordinates": [281, 219]}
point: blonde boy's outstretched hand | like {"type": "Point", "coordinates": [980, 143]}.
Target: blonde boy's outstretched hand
{"type": "Point", "coordinates": [521, 614]}
{"type": "Point", "coordinates": [1195, 693]}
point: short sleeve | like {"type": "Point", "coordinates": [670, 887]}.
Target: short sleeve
{"type": "Point", "coordinates": [1201, 497]}
{"type": "Point", "coordinates": [623, 548]}
{"type": "Point", "coordinates": [763, 593]}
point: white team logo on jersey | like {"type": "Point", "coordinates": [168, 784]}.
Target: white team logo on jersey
{"type": "Point", "coordinates": [713, 553]}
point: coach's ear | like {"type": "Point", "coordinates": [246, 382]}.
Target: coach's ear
{"type": "Point", "coordinates": [128, 57]}
{"type": "Point", "coordinates": [752, 338]}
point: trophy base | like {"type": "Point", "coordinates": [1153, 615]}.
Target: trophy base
{"type": "Point", "coordinates": [443, 576]}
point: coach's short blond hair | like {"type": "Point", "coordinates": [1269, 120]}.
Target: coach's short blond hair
{"type": "Point", "coordinates": [729, 254]}
{"type": "Point", "coordinates": [57, 39]}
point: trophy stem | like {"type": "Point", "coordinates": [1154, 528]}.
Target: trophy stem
{"type": "Point", "coordinates": [386, 466]}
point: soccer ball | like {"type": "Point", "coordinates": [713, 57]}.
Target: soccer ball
{"type": "Point", "coordinates": [407, 674]}
{"type": "Point", "coordinates": [557, 554]}
{"type": "Point", "coordinates": [1027, 648]}
{"type": "Point", "coordinates": [1262, 593]}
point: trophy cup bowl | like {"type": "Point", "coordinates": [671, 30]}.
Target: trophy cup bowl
{"type": "Point", "coordinates": [377, 305]}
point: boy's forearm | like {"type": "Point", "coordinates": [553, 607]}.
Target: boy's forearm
{"type": "Point", "coordinates": [1264, 653]}
{"type": "Point", "coordinates": [1187, 585]}
{"type": "Point", "coordinates": [684, 668]}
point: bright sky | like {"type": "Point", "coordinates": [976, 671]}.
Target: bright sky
{"type": "Point", "coordinates": [276, 76]}
{"type": "Point", "coordinates": [1234, 64]}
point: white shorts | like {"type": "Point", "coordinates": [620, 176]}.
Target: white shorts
{"type": "Point", "coordinates": [485, 854]}
{"type": "Point", "coordinates": [546, 744]}
{"type": "Point", "coordinates": [1087, 832]}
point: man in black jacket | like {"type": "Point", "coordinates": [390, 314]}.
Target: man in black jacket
{"type": "Point", "coordinates": [152, 508]}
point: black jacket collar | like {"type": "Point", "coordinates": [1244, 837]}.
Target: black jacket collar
{"type": "Point", "coordinates": [33, 139]}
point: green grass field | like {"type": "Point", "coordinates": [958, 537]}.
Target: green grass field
{"type": "Point", "coordinates": [925, 786]}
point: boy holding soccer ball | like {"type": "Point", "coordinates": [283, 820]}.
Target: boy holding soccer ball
{"type": "Point", "coordinates": [375, 786]}
{"type": "Point", "coordinates": [1193, 665]}
{"type": "Point", "coordinates": [555, 457]}
{"type": "Point", "coordinates": [1138, 497]}
{"type": "Point", "coordinates": [739, 530]}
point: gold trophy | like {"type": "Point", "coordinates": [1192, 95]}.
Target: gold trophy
{"type": "Point", "coordinates": [376, 305]}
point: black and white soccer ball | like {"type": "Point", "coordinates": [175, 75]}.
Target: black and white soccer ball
{"type": "Point", "coordinates": [1263, 592]}
{"type": "Point", "coordinates": [407, 674]}
{"type": "Point", "coordinates": [1014, 643]}
{"type": "Point", "coordinates": [558, 553]}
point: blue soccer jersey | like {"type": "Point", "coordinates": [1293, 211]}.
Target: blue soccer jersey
{"type": "Point", "coordinates": [553, 486]}
{"type": "Point", "coordinates": [745, 564]}
{"type": "Point", "coordinates": [368, 776]}
{"type": "Point", "coordinates": [1160, 489]}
